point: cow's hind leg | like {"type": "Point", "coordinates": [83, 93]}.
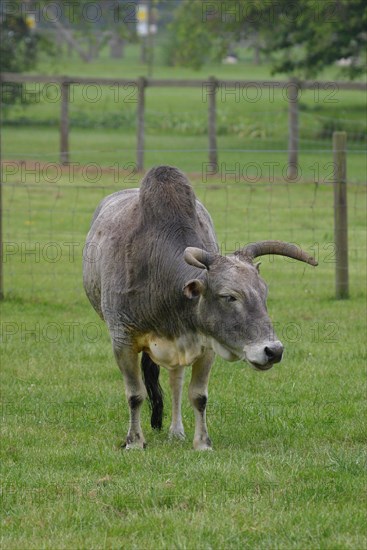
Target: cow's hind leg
{"type": "Point", "coordinates": [176, 379]}
{"type": "Point", "coordinates": [198, 394]}
{"type": "Point", "coordinates": [128, 363]}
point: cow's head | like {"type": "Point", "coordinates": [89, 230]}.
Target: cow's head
{"type": "Point", "coordinates": [231, 302]}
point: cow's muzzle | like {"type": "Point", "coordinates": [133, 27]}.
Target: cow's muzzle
{"type": "Point", "coordinates": [267, 357]}
{"type": "Point", "coordinates": [274, 352]}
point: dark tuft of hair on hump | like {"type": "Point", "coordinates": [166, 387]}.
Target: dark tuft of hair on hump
{"type": "Point", "coordinates": [165, 192]}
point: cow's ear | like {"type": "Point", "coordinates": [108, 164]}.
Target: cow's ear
{"type": "Point", "coordinates": [257, 265]}
{"type": "Point", "coordinates": [193, 289]}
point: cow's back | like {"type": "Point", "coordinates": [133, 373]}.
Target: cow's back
{"type": "Point", "coordinates": [133, 260]}
{"type": "Point", "coordinates": [111, 221]}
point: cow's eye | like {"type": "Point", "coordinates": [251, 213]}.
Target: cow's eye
{"type": "Point", "coordinates": [229, 298]}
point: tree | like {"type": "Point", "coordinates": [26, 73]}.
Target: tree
{"type": "Point", "coordinates": [84, 26]}
{"type": "Point", "coordinates": [313, 35]}
{"type": "Point", "coordinates": [301, 37]}
{"type": "Point", "coordinates": [94, 23]}
{"type": "Point", "coordinates": [19, 48]}
{"type": "Point", "coordinates": [18, 45]}
{"type": "Point", "coordinates": [192, 42]}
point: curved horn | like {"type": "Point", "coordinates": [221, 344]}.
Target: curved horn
{"type": "Point", "coordinates": [261, 248]}
{"type": "Point", "coordinates": [198, 257]}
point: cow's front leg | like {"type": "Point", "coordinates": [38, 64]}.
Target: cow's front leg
{"type": "Point", "coordinates": [176, 380]}
{"type": "Point", "coordinates": [198, 394]}
{"type": "Point", "coordinates": [135, 391]}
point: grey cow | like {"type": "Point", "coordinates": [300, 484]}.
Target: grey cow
{"type": "Point", "coordinates": [153, 272]}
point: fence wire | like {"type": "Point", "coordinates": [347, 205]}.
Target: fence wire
{"type": "Point", "coordinates": [45, 225]}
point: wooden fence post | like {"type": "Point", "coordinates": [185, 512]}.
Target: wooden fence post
{"type": "Point", "coordinates": [212, 125]}
{"type": "Point", "coordinates": [140, 124]}
{"type": "Point", "coordinates": [1, 239]}
{"type": "Point", "coordinates": [340, 215]}
{"type": "Point", "coordinates": [292, 95]}
{"type": "Point", "coordinates": [1, 213]}
{"type": "Point", "coordinates": [64, 123]}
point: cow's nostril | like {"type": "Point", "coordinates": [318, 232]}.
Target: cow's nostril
{"type": "Point", "coordinates": [274, 353]}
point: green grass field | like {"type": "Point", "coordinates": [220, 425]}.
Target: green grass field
{"type": "Point", "coordinates": [288, 469]}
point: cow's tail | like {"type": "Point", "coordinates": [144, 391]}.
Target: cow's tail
{"type": "Point", "coordinates": [155, 393]}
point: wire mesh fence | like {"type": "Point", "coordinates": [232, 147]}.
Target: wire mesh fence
{"type": "Point", "coordinates": [45, 225]}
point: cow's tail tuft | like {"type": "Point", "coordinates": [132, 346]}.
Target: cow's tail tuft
{"type": "Point", "coordinates": [155, 393]}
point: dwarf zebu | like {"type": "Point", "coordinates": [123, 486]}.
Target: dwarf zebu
{"type": "Point", "coordinates": [153, 272]}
